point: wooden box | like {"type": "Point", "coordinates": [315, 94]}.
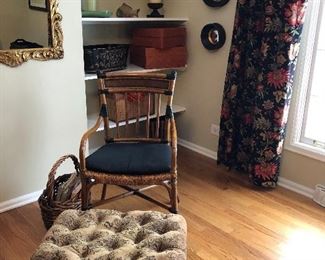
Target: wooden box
{"type": "Point", "coordinates": [116, 107]}
{"type": "Point", "coordinates": [152, 58]}
{"type": "Point", "coordinates": [161, 38]}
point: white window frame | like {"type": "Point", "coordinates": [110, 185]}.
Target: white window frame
{"type": "Point", "coordinates": [296, 142]}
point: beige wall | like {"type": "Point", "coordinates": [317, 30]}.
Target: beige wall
{"type": "Point", "coordinates": [42, 111]}
{"type": "Point", "coordinates": [302, 170]}
{"type": "Point", "coordinates": [17, 20]}
{"type": "Point", "coordinates": [113, 5]}
{"type": "Point", "coordinates": [200, 87]}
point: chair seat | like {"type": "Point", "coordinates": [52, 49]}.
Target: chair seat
{"type": "Point", "coordinates": [131, 158]}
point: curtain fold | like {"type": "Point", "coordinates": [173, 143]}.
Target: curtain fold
{"type": "Point", "coordinates": [258, 86]}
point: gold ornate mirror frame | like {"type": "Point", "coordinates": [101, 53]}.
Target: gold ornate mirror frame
{"type": "Point", "coordinates": [16, 57]}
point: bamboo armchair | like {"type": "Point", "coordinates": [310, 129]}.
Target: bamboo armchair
{"type": "Point", "coordinates": [133, 157]}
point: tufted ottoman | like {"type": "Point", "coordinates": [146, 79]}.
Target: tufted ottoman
{"type": "Point", "coordinates": [109, 234]}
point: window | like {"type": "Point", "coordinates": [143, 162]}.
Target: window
{"type": "Point", "coordinates": [307, 128]}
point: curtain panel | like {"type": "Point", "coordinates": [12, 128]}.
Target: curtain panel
{"type": "Point", "coordinates": [258, 86]}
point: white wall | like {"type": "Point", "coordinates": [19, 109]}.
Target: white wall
{"type": "Point", "coordinates": [42, 111]}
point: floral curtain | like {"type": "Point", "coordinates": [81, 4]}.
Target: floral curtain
{"type": "Point", "coordinates": [259, 85]}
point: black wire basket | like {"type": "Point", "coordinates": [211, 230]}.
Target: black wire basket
{"type": "Point", "coordinates": [105, 57]}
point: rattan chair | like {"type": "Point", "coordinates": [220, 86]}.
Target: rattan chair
{"type": "Point", "coordinates": [139, 153]}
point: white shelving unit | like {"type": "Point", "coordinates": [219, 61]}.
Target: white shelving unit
{"type": "Point", "coordinates": [143, 20]}
{"type": "Point", "coordinates": [117, 20]}
{"type": "Point", "coordinates": [92, 119]}
{"type": "Point", "coordinates": [133, 68]}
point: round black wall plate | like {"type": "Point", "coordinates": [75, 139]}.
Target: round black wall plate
{"type": "Point", "coordinates": [216, 3]}
{"type": "Point", "coordinates": [213, 36]}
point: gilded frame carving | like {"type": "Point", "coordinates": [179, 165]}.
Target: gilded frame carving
{"type": "Point", "coordinates": [16, 57]}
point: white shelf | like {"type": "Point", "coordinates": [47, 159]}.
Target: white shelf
{"type": "Point", "coordinates": [90, 76]}
{"type": "Point", "coordinates": [135, 68]}
{"type": "Point", "coordinates": [117, 20]}
{"type": "Point", "coordinates": [92, 118]}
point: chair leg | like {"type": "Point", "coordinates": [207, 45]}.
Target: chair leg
{"type": "Point", "coordinates": [168, 188]}
{"type": "Point", "coordinates": [174, 197]}
{"type": "Point", "coordinates": [84, 194]}
{"type": "Point", "coordinates": [104, 192]}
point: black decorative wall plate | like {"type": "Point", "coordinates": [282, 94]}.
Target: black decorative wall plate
{"type": "Point", "coordinates": [216, 3]}
{"type": "Point", "coordinates": [213, 36]}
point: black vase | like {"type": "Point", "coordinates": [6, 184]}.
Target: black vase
{"type": "Point", "coordinates": [155, 7]}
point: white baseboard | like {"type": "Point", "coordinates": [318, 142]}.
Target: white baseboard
{"type": "Point", "coordinates": [19, 201]}
{"type": "Point", "coordinates": [298, 188]}
{"type": "Point", "coordinates": [290, 185]}
{"type": "Point", "coordinates": [196, 148]}
{"type": "Point", "coordinates": [285, 183]}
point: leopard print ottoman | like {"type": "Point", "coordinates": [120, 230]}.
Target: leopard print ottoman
{"type": "Point", "coordinates": [108, 234]}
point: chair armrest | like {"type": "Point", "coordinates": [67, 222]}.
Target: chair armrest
{"type": "Point", "coordinates": [173, 140]}
{"type": "Point", "coordinates": [173, 133]}
{"type": "Point", "coordinates": [84, 140]}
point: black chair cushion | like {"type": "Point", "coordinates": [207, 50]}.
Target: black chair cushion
{"type": "Point", "coordinates": [131, 158]}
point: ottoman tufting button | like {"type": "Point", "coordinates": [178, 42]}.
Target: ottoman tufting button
{"type": "Point", "coordinates": [100, 219]}
{"type": "Point", "coordinates": [92, 237]}
{"type": "Point", "coordinates": [145, 220]}
{"type": "Point", "coordinates": [75, 226]}
{"type": "Point", "coordinates": [116, 244]}
{"type": "Point", "coordinates": [139, 237]}
{"type": "Point", "coordinates": [85, 253]}
{"type": "Point", "coordinates": [161, 247]}
{"type": "Point", "coordinates": [136, 255]}
{"type": "Point", "coordinates": [121, 228]}
{"type": "Point", "coordinates": [65, 242]}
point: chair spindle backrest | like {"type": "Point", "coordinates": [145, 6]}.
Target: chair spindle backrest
{"type": "Point", "coordinates": [129, 99]}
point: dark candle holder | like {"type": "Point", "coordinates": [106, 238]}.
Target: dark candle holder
{"type": "Point", "coordinates": [155, 7]}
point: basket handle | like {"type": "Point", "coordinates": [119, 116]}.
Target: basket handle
{"type": "Point", "coordinates": [51, 177]}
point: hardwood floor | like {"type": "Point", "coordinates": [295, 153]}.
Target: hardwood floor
{"type": "Point", "coordinates": [227, 218]}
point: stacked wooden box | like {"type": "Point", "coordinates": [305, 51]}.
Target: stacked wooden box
{"type": "Point", "coordinates": [159, 47]}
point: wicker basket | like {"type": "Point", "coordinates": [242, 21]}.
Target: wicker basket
{"type": "Point", "coordinates": [50, 208]}
{"type": "Point", "coordinates": [105, 57]}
